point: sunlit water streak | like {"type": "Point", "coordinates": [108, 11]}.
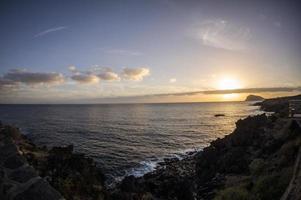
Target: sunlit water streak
{"type": "Point", "coordinates": [127, 139]}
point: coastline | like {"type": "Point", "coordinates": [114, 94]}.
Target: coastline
{"type": "Point", "coordinates": [234, 165]}
{"type": "Point", "coordinates": [119, 144]}
{"type": "Point", "coordinates": [223, 167]}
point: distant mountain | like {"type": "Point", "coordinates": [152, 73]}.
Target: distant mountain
{"type": "Point", "coordinates": [254, 98]}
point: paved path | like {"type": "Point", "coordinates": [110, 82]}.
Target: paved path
{"type": "Point", "coordinates": [293, 191]}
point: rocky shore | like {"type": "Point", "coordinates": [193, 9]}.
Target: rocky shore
{"type": "Point", "coordinates": [259, 160]}
{"type": "Point", "coordinates": [18, 179]}
{"type": "Point", "coordinates": [28, 172]}
{"type": "Point", "coordinates": [256, 161]}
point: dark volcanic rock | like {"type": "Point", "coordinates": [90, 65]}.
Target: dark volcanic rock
{"type": "Point", "coordinates": [8, 149]}
{"type": "Point", "coordinates": [278, 105]}
{"type": "Point", "coordinates": [17, 179]}
{"type": "Point", "coordinates": [73, 174]}
{"type": "Point", "coordinates": [39, 190]}
{"type": "Point", "coordinates": [14, 161]}
{"type": "Point", "coordinates": [224, 154]}
{"type": "Point", "coordinates": [219, 115]}
{"type": "Point", "coordinates": [174, 180]}
{"type": "Point", "coordinates": [23, 174]}
{"type": "Point", "coordinates": [230, 155]}
{"type": "Point", "coordinates": [248, 131]}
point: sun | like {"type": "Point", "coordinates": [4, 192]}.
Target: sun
{"type": "Point", "coordinates": [230, 97]}
{"type": "Point", "coordinates": [229, 84]}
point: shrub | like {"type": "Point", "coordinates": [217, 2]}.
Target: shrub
{"type": "Point", "coordinates": [256, 167]}
{"type": "Point", "coordinates": [271, 186]}
{"type": "Point", "coordinates": [232, 193]}
{"type": "Point", "coordinates": [288, 152]}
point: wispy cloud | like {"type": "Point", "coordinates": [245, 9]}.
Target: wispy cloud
{"type": "Point", "coordinates": [245, 90]}
{"type": "Point", "coordinates": [150, 97]}
{"type": "Point", "coordinates": [254, 90]}
{"type": "Point", "coordinates": [51, 30]}
{"type": "Point", "coordinates": [277, 24]}
{"type": "Point", "coordinates": [223, 34]}
{"type": "Point", "coordinates": [123, 52]}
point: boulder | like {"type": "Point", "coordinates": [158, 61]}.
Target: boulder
{"type": "Point", "coordinates": [39, 190]}
{"type": "Point", "coordinates": [23, 174]}
{"type": "Point", "coordinates": [14, 162]}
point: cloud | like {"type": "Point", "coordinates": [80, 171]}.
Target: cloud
{"type": "Point", "coordinates": [51, 30]}
{"type": "Point", "coordinates": [72, 68]}
{"type": "Point", "coordinates": [277, 24]}
{"type": "Point", "coordinates": [224, 35]}
{"type": "Point", "coordinates": [7, 84]}
{"type": "Point", "coordinates": [94, 75]}
{"type": "Point", "coordinates": [254, 90]}
{"type": "Point", "coordinates": [85, 78]}
{"type": "Point", "coordinates": [172, 80]}
{"type": "Point", "coordinates": [245, 90]}
{"type": "Point", "coordinates": [33, 78]}
{"type": "Point", "coordinates": [105, 73]}
{"type": "Point", "coordinates": [109, 76]}
{"type": "Point", "coordinates": [123, 52]}
{"type": "Point", "coordinates": [135, 74]}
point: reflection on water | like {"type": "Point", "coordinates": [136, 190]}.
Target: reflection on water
{"type": "Point", "coordinates": [127, 138]}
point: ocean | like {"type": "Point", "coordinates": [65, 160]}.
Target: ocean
{"type": "Point", "coordinates": [127, 139]}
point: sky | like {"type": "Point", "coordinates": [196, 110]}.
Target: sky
{"type": "Point", "coordinates": [87, 51]}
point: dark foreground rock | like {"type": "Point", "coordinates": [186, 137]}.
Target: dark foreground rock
{"type": "Point", "coordinates": [29, 172]}
{"type": "Point", "coordinates": [18, 180]}
{"type": "Point", "coordinates": [278, 105]}
{"type": "Point", "coordinates": [74, 175]}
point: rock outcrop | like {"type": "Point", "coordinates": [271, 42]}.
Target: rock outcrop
{"type": "Point", "coordinates": [278, 105]}
{"type": "Point", "coordinates": [18, 180]}
{"type": "Point", "coordinates": [254, 98]}
{"type": "Point", "coordinates": [29, 172]}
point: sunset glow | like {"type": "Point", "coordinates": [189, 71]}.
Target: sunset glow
{"type": "Point", "coordinates": [141, 51]}
{"type": "Point", "coordinates": [231, 97]}
{"type": "Point", "coordinates": [229, 84]}
{"type": "Point", "coordinates": [150, 99]}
